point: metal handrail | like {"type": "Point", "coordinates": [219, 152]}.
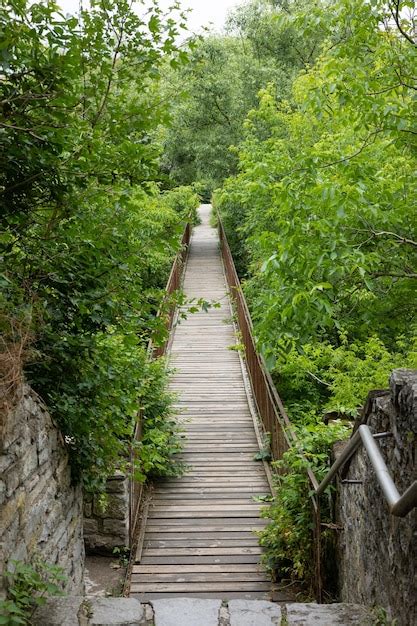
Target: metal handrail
{"type": "Point", "coordinates": [399, 505]}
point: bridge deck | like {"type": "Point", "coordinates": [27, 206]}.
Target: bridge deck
{"type": "Point", "coordinates": [199, 539]}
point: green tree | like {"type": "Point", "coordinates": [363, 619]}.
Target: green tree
{"type": "Point", "coordinates": [322, 221]}
{"type": "Point", "coordinates": [87, 238]}
{"type": "Point", "coordinates": [220, 86]}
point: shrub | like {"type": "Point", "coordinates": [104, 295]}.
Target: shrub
{"type": "Point", "coordinates": [29, 585]}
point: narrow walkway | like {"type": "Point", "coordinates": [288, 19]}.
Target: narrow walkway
{"type": "Point", "coordinates": [199, 539]}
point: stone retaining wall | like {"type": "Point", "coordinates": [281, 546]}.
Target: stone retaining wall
{"type": "Point", "coordinates": [377, 551]}
{"type": "Point", "coordinates": [107, 527]}
{"type": "Point", "coordinates": [41, 511]}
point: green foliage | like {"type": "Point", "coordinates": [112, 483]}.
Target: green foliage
{"type": "Point", "coordinates": [325, 201]}
{"type": "Point", "coordinates": [28, 588]}
{"type": "Point", "coordinates": [321, 218]}
{"type": "Point", "coordinates": [87, 238]}
{"type": "Point", "coordinates": [219, 86]}
{"type": "Point", "coordinates": [381, 617]}
{"type": "Point", "coordinates": [123, 555]}
{"type": "Point", "coordinates": [185, 201]}
{"type": "Point", "coordinates": [288, 539]}
{"type": "Point", "coordinates": [336, 380]}
{"type": "Point", "coordinates": [80, 101]}
{"type": "Point", "coordinates": [161, 436]}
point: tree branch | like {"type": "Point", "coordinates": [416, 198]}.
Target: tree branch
{"type": "Point", "coordinates": [342, 160]}
{"type": "Point", "coordinates": [395, 12]}
{"type": "Point", "coordinates": [400, 238]}
{"type": "Point", "coordinates": [113, 65]}
{"type": "Point", "coordinates": [24, 130]}
{"type": "Point", "coordinates": [394, 274]}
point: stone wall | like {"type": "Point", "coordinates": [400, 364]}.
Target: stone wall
{"type": "Point", "coordinates": [106, 524]}
{"type": "Point", "coordinates": [41, 511]}
{"type": "Point", "coordinates": [377, 551]}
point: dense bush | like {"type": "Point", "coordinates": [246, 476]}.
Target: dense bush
{"type": "Point", "coordinates": [288, 540]}
{"type": "Point", "coordinates": [322, 222]}
{"type": "Point", "coordinates": [185, 201]}
{"type": "Point", "coordinates": [87, 237]}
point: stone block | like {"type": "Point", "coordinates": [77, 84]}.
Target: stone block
{"type": "Point", "coordinates": [399, 378]}
{"type": "Point", "coordinates": [116, 527]}
{"type": "Point", "coordinates": [63, 473]}
{"type": "Point", "coordinates": [254, 613]}
{"type": "Point", "coordinates": [12, 509]}
{"type": "Point", "coordinates": [117, 507]}
{"type": "Point", "coordinates": [44, 486]}
{"type": "Point", "coordinates": [18, 553]}
{"type": "Point", "coordinates": [13, 478]}
{"type": "Point", "coordinates": [37, 522]}
{"type": "Point", "coordinates": [88, 509]}
{"type": "Point", "coordinates": [327, 615]}
{"type": "Point", "coordinates": [31, 484]}
{"type": "Point", "coordinates": [186, 612]}
{"type": "Point", "coordinates": [117, 484]}
{"type": "Point", "coordinates": [10, 536]}
{"type": "Point", "coordinates": [30, 462]}
{"type": "Point", "coordinates": [102, 544]}
{"type": "Point", "coordinates": [44, 455]}
{"type": "Point", "coordinates": [116, 612]}
{"type": "Point", "coordinates": [90, 526]}
{"type": "Point", "coordinates": [6, 460]}
{"type": "Point", "coordinates": [58, 611]}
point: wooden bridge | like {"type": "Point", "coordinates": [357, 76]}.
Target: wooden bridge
{"type": "Point", "coordinates": [199, 538]}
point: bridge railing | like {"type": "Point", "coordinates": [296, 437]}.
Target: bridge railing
{"type": "Point", "coordinates": [173, 284]}
{"type": "Point", "coordinates": [271, 410]}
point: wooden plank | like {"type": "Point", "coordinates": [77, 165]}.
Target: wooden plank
{"type": "Point", "coordinates": [216, 489]}
{"type": "Point", "coordinates": [193, 551]}
{"type": "Point", "coordinates": [157, 506]}
{"type": "Point", "coordinates": [207, 481]}
{"type": "Point", "coordinates": [229, 595]}
{"type": "Point", "coordinates": [219, 558]}
{"type": "Point", "coordinates": [207, 515]}
{"type": "Point", "coordinates": [236, 456]}
{"type": "Point", "coordinates": [180, 577]}
{"type": "Point", "coordinates": [227, 473]}
{"type": "Point", "coordinates": [220, 586]}
{"type": "Point", "coordinates": [203, 526]}
{"type": "Point", "coordinates": [168, 496]}
{"type": "Point", "coordinates": [228, 568]}
{"type": "Point", "coordinates": [200, 543]}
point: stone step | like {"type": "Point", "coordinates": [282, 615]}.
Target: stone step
{"type": "Point", "coordinates": [79, 611]}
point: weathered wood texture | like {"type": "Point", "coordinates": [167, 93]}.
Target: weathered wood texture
{"type": "Point", "coordinates": [200, 538]}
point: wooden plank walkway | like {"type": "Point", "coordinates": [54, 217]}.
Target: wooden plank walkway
{"type": "Point", "coordinates": [199, 539]}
